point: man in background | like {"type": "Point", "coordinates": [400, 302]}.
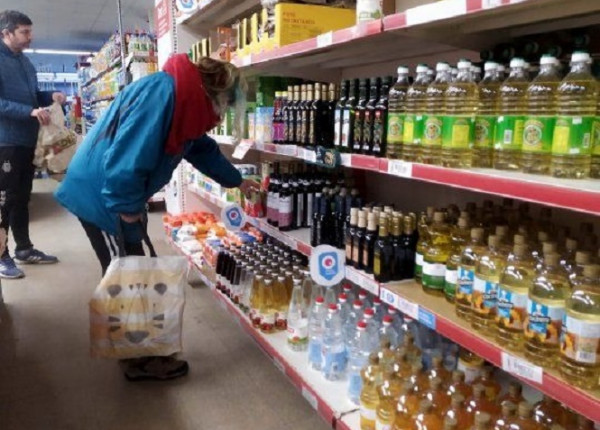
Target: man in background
{"type": "Point", "coordinates": [21, 114]}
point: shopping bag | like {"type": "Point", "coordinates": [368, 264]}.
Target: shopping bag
{"type": "Point", "coordinates": [54, 137]}
{"type": "Point", "coordinates": [137, 309]}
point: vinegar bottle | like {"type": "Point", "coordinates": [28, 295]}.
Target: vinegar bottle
{"type": "Point", "coordinates": [514, 394]}
{"type": "Point", "coordinates": [580, 339]}
{"type": "Point", "coordinates": [413, 120]}
{"type": "Point", "coordinates": [577, 98]}
{"type": "Point", "coordinates": [437, 254]}
{"type": "Point", "coordinates": [431, 144]}
{"type": "Point", "coordinates": [466, 273]}
{"type": "Point", "coordinates": [492, 387]}
{"type": "Point", "coordinates": [541, 116]}
{"type": "Point", "coordinates": [427, 418]}
{"type": "Point", "coordinates": [487, 114]}
{"type": "Point", "coordinates": [457, 411]}
{"type": "Point", "coordinates": [506, 415]}
{"type": "Point", "coordinates": [460, 99]}
{"type": "Point", "coordinates": [369, 399]}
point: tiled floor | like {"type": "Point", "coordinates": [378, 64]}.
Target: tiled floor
{"type": "Point", "coordinates": [48, 381]}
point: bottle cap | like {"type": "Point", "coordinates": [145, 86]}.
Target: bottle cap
{"type": "Point", "coordinates": [508, 408]}
{"type": "Point", "coordinates": [343, 297]}
{"type": "Point", "coordinates": [362, 324]}
{"type": "Point", "coordinates": [571, 244]}
{"type": "Point", "coordinates": [425, 406]}
{"type": "Point", "coordinates": [392, 311]}
{"type": "Point", "coordinates": [517, 62]}
{"type": "Point", "coordinates": [457, 399]}
{"type": "Point", "coordinates": [376, 301]}
{"type": "Point", "coordinates": [477, 233]}
{"type": "Point", "coordinates": [320, 299]}
{"type": "Point", "coordinates": [489, 66]}
{"type": "Point", "coordinates": [493, 240]}
{"type": "Point", "coordinates": [525, 409]}
{"type": "Point", "coordinates": [501, 230]}
{"type": "Point", "coordinates": [548, 247]}
{"type": "Point", "coordinates": [362, 294]}
{"type": "Point", "coordinates": [520, 249]}
{"type": "Point", "coordinates": [370, 312]}
{"type": "Point", "coordinates": [463, 222]}
{"type": "Point", "coordinates": [580, 57]}
{"type": "Point", "coordinates": [357, 304]}
{"type": "Point", "coordinates": [442, 66]}
{"type": "Point", "coordinates": [332, 307]}
{"type": "Point", "coordinates": [464, 64]}
{"type": "Point", "coordinates": [422, 68]}
{"type": "Point", "coordinates": [388, 319]}
{"type": "Point", "coordinates": [519, 239]}
{"type": "Point", "coordinates": [551, 259]}
{"type": "Point", "coordinates": [438, 217]}
{"type": "Point", "coordinates": [347, 287]}
{"type": "Point", "coordinates": [478, 390]}
{"type": "Point", "coordinates": [458, 376]}
{"type": "Point", "coordinates": [547, 59]}
{"type": "Point", "coordinates": [402, 70]}
{"type": "Point", "coordinates": [514, 388]}
{"type": "Point", "coordinates": [435, 383]}
{"type": "Point", "coordinates": [591, 270]}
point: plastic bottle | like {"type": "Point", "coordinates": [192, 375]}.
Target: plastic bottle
{"type": "Point", "coordinates": [373, 326]}
{"type": "Point", "coordinates": [419, 379]}
{"type": "Point", "coordinates": [396, 108]}
{"type": "Point", "coordinates": [282, 301]}
{"type": "Point", "coordinates": [430, 344]}
{"type": "Point", "coordinates": [457, 411]}
{"type": "Point", "coordinates": [572, 140]}
{"type": "Point", "coordinates": [514, 394]}
{"type": "Point", "coordinates": [431, 145]}
{"type": "Point", "coordinates": [413, 120]}
{"type": "Point", "coordinates": [354, 316]}
{"type": "Point", "coordinates": [595, 162]}
{"type": "Point", "coordinates": [513, 291]}
{"type": "Point", "coordinates": [483, 421]}
{"type": "Point", "coordinates": [386, 355]}
{"type": "Point", "coordinates": [582, 258]}
{"type": "Point", "coordinates": [349, 292]}
{"type": "Point", "coordinates": [524, 419]}
{"type": "Point", "coordinates": [379, 309]}
{"type": "Point", "coordinates": [549, 412]}
{"type": "Point", "coordinates": [460, 236]}
{"type": "Point", "coordinates": [388, 331]}
{"type": "Point", "coordinates": [492, 387]}
{"type": "Point", "coordinates": [506, 415]}
{"type": "Point", "coordinates": [406, 408]}
{"type": "Point", "coordinates": [487, 114]}
{"type": "Point", "coordinates": [369, 399]}
{"type": "Point", "coordinates": [567, 259]}
{"type": "Point", "coordinates": [427, 418]}
{"type": "Point", "coordinates": [333, 348]}
{"type": "Point", "coordinates": [316, 326]}
{"type": "Point", "coordinates": [297, 319]}
{"type": "Point", "coordinates": [541, 116]}
{"type": "Point", "coordinates": [459, 386]}
{"type": "Point", "coordinates": [485, 288]}
{"type": "Point", "coordinates": [358, 358]}
{"type": "Point", "coordinates": [460, 100]}
{"type": "Point", "coordinates": [512, 108]}
{"type": "Point", "coordinates": [344, 307]}
{"type": "Point", "coordinates": [436, 256]}
{"type": "Point", "coordinates": [268, 308]}
{"type": "Point", "coordinates": [388, 391]}
{"type": "Point", "coordinates": [479, 403]}
{"type": "Point", "coordinates": [437, 395]}
{"type": "Point", "coordinates": [422, 245]}
{"type": "Point", "coordinates": [580, 338]}
{"type": "Point", "coordinates": [546, 309]}
{"type": "Point", "coordinates": [363, 296]}
{"type": "Point", "coordinates": [466, 273]}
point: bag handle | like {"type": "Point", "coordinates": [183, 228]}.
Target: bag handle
{"type": "Point", "coordinates": [145, 237]}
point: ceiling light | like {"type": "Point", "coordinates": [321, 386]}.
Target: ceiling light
{"type": "Point", "coordinates": [57, 52]}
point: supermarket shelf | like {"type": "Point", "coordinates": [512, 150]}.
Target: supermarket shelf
{"type": "Point", "coordinates": [115, 63]}
{"type": "Point", "coordinates": [212, 13]}
{"type": "Point", "coordinates": [350, 421]}
{"type": "Point", "coordinates": [222, 140]}
{"type": "Point", "coordinates": [438, 314]}
{"type": "Point", "coordinates": [131, 58]}
{"type": "Point", "coordinates": [104, 99]}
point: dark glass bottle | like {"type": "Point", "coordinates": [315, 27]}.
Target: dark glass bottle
{"type": "Point", "coordinates": [338, 120]}
{"type": "Point", "coordinates": [358, 239]}
{"type": "Point", "coordinates": [315, 219]}
{"type": "Point", "coordinates": [320, 222]}
{"type": "Point", "coordinates": [350, 233]}
{"type": "Point", "coordinates": [309, 195]}
{"type": "Point", "coordinates": [294, 191]}
{"type": "Point", "coordinates": [328, 135]}
{"type": "Point", "coordinates": [348, 116]}
{"type": "Point", "coordinates": [383, 254]}
{"type": "Point", "coordinates": [339, 215]}
{"type": "Point", "coordinates": [278, 118]}
{"type": "Point", "coordinates": [315, 122]}
{"type": "Point", "coordinates": [408, 248]}
{"type": "Point", "coordinates": [366, 143]}
{"type": "Point", "coordinates": [368, 246]}
{"type": "Point", "coordinates": [359, 116]}
{"type": "Point", "coordinates": [286, 206]}
{"type": "Point", "coordinates": [379, 140]}
{"type": "Point", "coordinates": [293, 115]}
{"type": "Point", "coordinates": [286, 114]}
{"type": "Point", "coordinates": [395, 239]}
{"type": "Point", "coordinates": [300, 208]}
{"type": "Point", "coordinates": [273, 200]}
{"type": "Point", "coordinates": [303, 110]}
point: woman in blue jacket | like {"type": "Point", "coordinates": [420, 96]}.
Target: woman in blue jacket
{"type": "Point", "coordinates": [132, 151]}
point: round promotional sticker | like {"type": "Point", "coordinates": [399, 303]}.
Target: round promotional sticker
{"type": "Point", "coordinates": [187, 6]}
{"type": "Point", "coordinates": [327, 265]}
{"type": "Point", "coordinates": [233, 217]}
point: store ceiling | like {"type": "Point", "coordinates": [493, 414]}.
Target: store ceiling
{"type": "Point", "coordinates": [77, 24]}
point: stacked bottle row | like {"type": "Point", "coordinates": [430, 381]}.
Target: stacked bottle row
{"type": "Point", "coordinates": [531, 285]}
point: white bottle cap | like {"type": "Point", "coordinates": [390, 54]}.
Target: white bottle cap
{"type": "Point", "coordinates": [490, 65]}
{"type": "Point", "coordinates": [422, 68]}
{"type": "Point", "coordinates": [402, 70]}
{"type": "Point", "coordinates": [547, 59]}
{"type": "Point", "coordinates": [441, 67]}
{"type": "Point", "coordinates": [501, 68]}
{"type": "Point", "coordinates": [475, 69]}
{"type": "Point", "coordinates": [580, 57]}
{"type": "Point", "coordinates": [464, 64]}
{"type": "Point", "coordinates": [517, 62]}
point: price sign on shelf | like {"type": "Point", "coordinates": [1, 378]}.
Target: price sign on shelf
{"type": "Point", "coordinates": [242, 149]}
{"type": "Point", "coordinates": [246, 60]}
{"type": "Point", "coordinates": [233, 217]}
{"type": "Point", "coordinates": [400, 168]}
{"type": "Point", "coordinates": [325, 39]}
{"type": "Point", "coordinates": [523, 368]}
{"type": "Point", "coordinates": [327, 265]}
{"type": "Point", "coordinates": [406, 307]}
{"type": "Point", "coordinates": [310, 398]}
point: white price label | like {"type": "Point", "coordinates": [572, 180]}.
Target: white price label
{"type": "Point", "coordinates": [310, 398]}
{"type": "Point", "coordinates": [489, 4]}
{"type": "Point", "coordinates": [246, 60]}
{"type": "Point", "coordinates": [310, 155]}
{"type": "Point", "coordinates": [346, 159]}
{"type": "Point", "coordinates": [352, 275]}
{"type": "Point", "coordinates": [325, 39]}
{"type": "Point", "coordinates": [400, 168]}
{"type": "Point", "coordinates": [435, 11]}
{"type": "Point", "coordinates": [289, 150]}
{"type": "Point", "coordinates": [523, 368]}
{"type": "Point", "coordinates": [370, 284]}
{"type": "Point", "coordinates": [242, 149]}
{"type": "Point", "coordinates": [260, 146]}
{"type": "Point", "coordinates": [278, 364]}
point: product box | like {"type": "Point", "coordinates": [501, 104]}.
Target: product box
{"type": "Point", "coordinates": [264, 124]}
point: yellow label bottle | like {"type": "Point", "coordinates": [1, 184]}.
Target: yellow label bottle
{"type": "Point", "coordinates": [413, 119]}
{"type": "Point", "coordinates": [466, 273]}
{"type": "Point", "coordinates": [511, 117]}
{"type": "Point", "coordinates": [580, 337]}
{"type": "Point", "coordinates": [422, 246]}
{"type": "Point", "coordinates": [461, 99]}
{"type": "Point", "coordinates": [572, 141]}
{"type": "Point", "coordinates": [436, 256]}
{"type": "Point", "coordinates": [460, 236]}
{"type": "Point", "coordinates": [396, 111]}
{"type": "Point", "coordinates": [595, 162]}
{"type": "Point", "coordinates": [431, 144]}
{"type": "Point", "coordinates": [541, 116]}
{"type": "Point", "coordinates": [487, 115]}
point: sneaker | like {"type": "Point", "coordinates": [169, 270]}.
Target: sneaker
{"type": "Point", "coordinates": [33, 256]}
{"type": "Point", "coordinates": [9, 270]}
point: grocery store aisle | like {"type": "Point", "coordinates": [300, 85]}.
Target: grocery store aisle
{"type": "Point", "coordinates": [48, 381]}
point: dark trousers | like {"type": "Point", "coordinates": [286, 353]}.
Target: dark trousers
{"type": "Point", "coordinates": [16, 180]}
{"type": "Point", "coordinates": [106, 246]}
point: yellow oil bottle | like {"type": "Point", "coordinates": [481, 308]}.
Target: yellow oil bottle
{"type": "Point", "coordinates": [492, 387]}
{"type": "Point", "coordinates": [488, 269]}
{"type": "Point", "coordinates": [524, 419]}
{"type": "Point", "coordinates": [461, 99]}
{"type": "Point", "coordinates": [466, 273]}
{"type": "Point", "coordinates": [256, 298]}
{"type": "Point", "coordinates": [388, 392]}
{"type": "Point", "coordinates": [580, 338]}
{"type": "Point", "coordinates": [513, 291]}
{"type": "Point", "coordinates": [436, 256]}
{"type": "Point", "coordinates": [479, 403]}
{"type": "Point", "coordinates": [438, 370]}
{"type": "Point", "coordinates": [582, 259]}
{"type": "Point", "coordinates": [460, 236]}
{"type": "Point", "coordinates": [431, 144]}
{"type": "Point", "coordinates": [268, 307]}
{"type": "Point", "coordinates": [413, 119]}
{"type": "Point", "coordinates": [396, 106]}
{"type": "Point", "coordinates": [369, 398]}
{"type": "Point", "coordinates": [450, 424]}
{"type": "Point", "coordinates": [545, 312]}
{"type": "Point", "coordinates": [487, 114]}
{"type": "Point", "coordinates": [483, 421]}
{"type": "Point", "coordinates": [459, 386]}
{"type": "Point", "coordinates": [427, 418]}
{"type": "Point", "coordinates": [595, 162]}
{"type": "Point", "coordinates": [458, 412]}
{"type": "Point", "coordinates": [422, 246]}
{"type": "Point", "coordinates": [506, 415]}
{"type": "Point", "coordinates": [470, 364]}
{"type": "Point", "coordinates": [576, 101]}
{"type": "Point", "coordinates": [402, 365]}
{"type": "Point", "coordinates": [407, 407]}
{"type": "Point", "coordinates": [511, 117]}
{"type": "Point", "coordinates": [437, 396]}
{"type": "Point", "coordinates": [419, 379]}
{"type": "Point", "coordinates": [549, 412]}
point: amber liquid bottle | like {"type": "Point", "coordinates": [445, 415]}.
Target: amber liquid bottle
{"type": "Point", "coordinates": [514, 394]}
{"type": "Point", "coordinates": [458, 411]}
{"type": "Point", "coordinates": [524, 419]}
{"type": "Point", "coordinates": [459, 386]}
{"type": "Point", "coordinates": [506, 416]}
{"type": "Point", "coordinates": [427, 418]}
{"type": "Point", "coordinates": [437, 396]}
{"type": "Point", "coordinates": [480, 403]}
{"type": "Point", "coordinates": [492, 387]}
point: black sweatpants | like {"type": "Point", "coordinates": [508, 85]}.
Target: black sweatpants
{"type": "Point", "coordinates": [16, 180]}
{"type": "Point", "coordinates": [106, 246]}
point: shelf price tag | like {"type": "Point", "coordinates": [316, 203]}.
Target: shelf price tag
{"type": "Point", "coordinates": [278, 364]}
{"type": "Point", "coordinates": [523, 368]}
{"type": "Point", "coordinates": [400, 168]}
{"type": "Point", "coordinates": [325, 39]}
{"type": "Point", "coordinates": [310, 155]}
{"type": "Point", "coordinates": [406, 307]}
{"type": "Point", "coordinates": [310, 398]}
{"type": "Point", "coordinates": [246, 60]}
{"type": "Point", "coordinates": [242, 149]}
{"type": "Point", "coordinates": [489, 4]}
{"type": "Point", "coordinates": [346, 159]}
{"type": "Point", "coordinates": [289, 150]}
{"type": "Point", "coordinates": [427, 318]}
{"type": "Point", "coordinates": [327, 265]}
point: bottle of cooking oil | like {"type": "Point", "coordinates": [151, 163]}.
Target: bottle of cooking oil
{"type": "Point", "coordinates": [506, 415]}
{"type": "Point", "coordinates": [514, 394]}
{"type": "Point", "coordinates": [460, 236]}
{"type": "Point", "coordinates": [595, 162]}
{"type": "Point", "coordinates": [419, 379]}
{"type": "Point", "coordinates": [577, 98]}
{"type": "Point", "coordinates": [438, 370]}
{"type": "Point", "coordinates": [470, 364]}
{"type": "Point", "coordinates": [406, 408]}
{"type": "Point", "coordinates": [485, 287]}
{"type": "Point", "coordinates": [580, 338]}
{"type": "Point", "coordinates": [437, 395]}
{"type": "Point", "coordinates": [567, 259]}
{"type": "Point", "coordinates": [466, 273]}
{"type": "Point", "coordinates": [450, 424]}
{"type": "Point", "coordinates": [524, 419]}
{"type": "Point", "coordinates": [483, 421]}
{"type": "Point", "coordinates": [492, 387]}
{"type": "Point", "coordinates": [461, 99]}
{"type": "Point", "coordinates": [431, 145]}
{"type": "Point", "coordinates": [388, 391]}
{"type": "Point", "coordinates": [402, 365]}
{"type": "Point", "coordinates": [459, 386]}
{"type": "Point", "coordinates": [422, 245]}
{"type": "Point", "coordinates": [541, 115]}
{"type": "Point", "coordinates": [548, 412]}
{"type": "Point", "coordinates": [396, 107]}
{"type": "Point", "coordinates": [546, 309]}
{"type": "Point", "coordinates": [487, 114]}
{"type": "Point", "coordinates": [369, 398]}
{"type": "Point", "coordinates": [479, 403]}
{"type": "Point", "coordinates": [427, 418]}
{"type": "Point", "coordinates": [436, 256]}
{"type": "Point", "coordinates": [582, 259]}
{"type": "Point", "coordinates": [513, 291]}
{"type": "Point", "coordinates": [413, 120]}
{"type": "Point", "coordinates": [457, 411]}
{"type": "Point", "coordinates": [511, 120]}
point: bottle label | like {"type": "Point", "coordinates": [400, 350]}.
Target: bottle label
{"type": "Point", "coordinates": [300, 209]}
{"type": "Point", "coordinates": [314, 352]}
{"type": "Point", "coordinates": [337, 127]}
{"type": "Point", "coordinates": [311, 138]}
{"type": "Point", "coordinates": [484, 296]}
{"type": "Point", "coordinates": [418, 264]}
{"type": "Point", "coordinates": [512, 308]}
{"type": "Point", "coordinates": [368, 414]}
{"type": "Point", "coordinates": [509, 132]}
{"type": "Point", "coordinates": [365, 257]}
{"type": "Point", "coordinates": [580, 340]}
{"type": "Point", "coordinates": [367, 132]}
{"type": "Point", "coordinates": [432, 130]}
{"type": "Point", "coordinates": [596, 136]}
{"type": "Point", "coordinates": [538, 134]}
{"type": "Point", "coordinates": [572, 135]}
{"type": "Point", "coordinates": [278, 132]}
{"type": "Point", "coordinates": [458, 131]}
{"type": "Point", "coordinates": [485, 126]}
{"type": "Point", "coordinates": [354, 385]}
{"type": "Point", "coordinates": [297, 331]}
{"type": "Point", "coordinates": [450, 280]}
{"type": "Point", "coordinates": [465, 284]}
{"type": "Point", "coordinates": [286, 211]}
{"type": "Point", "coordinates": [434, 275]}
{"type": "Point", "coordinates": [376, 264]}
{"type": "Point", "coordinates": [345, 137]}
{"type": "Point", "coordinates": [378, 131]}
{"type": "Point", "coordinates": [544, 322]}
{"type": "Point", "coordinates": [358, 129]}
{"type": "Point", "coordinates": [408, 133]}
{"type": "Point", "coordinates": [334, 361]}
{"type": "Point", "coordinates": [395, 128]}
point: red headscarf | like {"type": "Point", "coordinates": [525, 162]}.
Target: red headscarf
{"type": "Point", "coordinates": [194, 114]}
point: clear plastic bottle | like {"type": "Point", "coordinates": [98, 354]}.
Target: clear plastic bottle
{"type": "Point", "coordinates": [379, 309]}
{"type": "Point", "coordinates": [580, 338]}
{"type": "Point", "coordinates": [430, 344]}
{"type": "Point", "coordinates": [297, 319]}
{"type": "Point", "coordinates": [388, 331]}
{"type": "Point", "coordinates": [396, 108]}
{"type": "Point", "coordinates": [363, 296]}
{"type": "Point", "coordinates": [373, 326]}
{"type": "Point", "coordinates": [541, 116]}
{"type": "Point", "coordinates": [513, 291]}
{"type": "Point", "coordinates": [355, 315]}
{"type": "Point", "coordinates": [460, 236]}
{"type": "Point", "coordinates": [595, 161]}
{"type": "Point", "coordinates": [461, 99]}
{"type": "Point", "coordinates": [572, 141]}
{"type": "Point", "coordinates": [511, 120]}
{"type": "Point", "coordinates": [413, 120]}
{"type": "Point", "coordinates": [546, 309]}
{"type": "Point", "coordinates": [344, 307]}
{"type": "Point", "coordinates": [436, 256]}
{"type": "Point", "coordinates": [369, 399]}
{"type": "Point", "coordinates": [485, 288]}
{"type": "Point", "coordinates": [487, 114]}
{"type": "Point", "coordinates": [358, 358]}
{"type": "Point", "coordinates": [388, 391]}
{"type": "Point", "coordinates": [466, 273]}
{"type": "Point", "coordinates": [333, 349]}
{"type": "Point", "coordinates": [431, 145]}
{"type": "Point", "coordinates": [316, 325]}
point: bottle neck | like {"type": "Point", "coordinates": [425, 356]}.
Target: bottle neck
{"type": "Point", "coordinates": [580, 67]}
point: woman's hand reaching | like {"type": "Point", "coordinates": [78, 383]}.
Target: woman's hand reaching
{"type": "Point", "coordinates": [249, 185]}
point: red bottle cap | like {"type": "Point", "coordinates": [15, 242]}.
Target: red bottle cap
{"type": "Point", "coordinates": [370, 311]}
{"type": "Point", "coordinates": [333, 307]}
{"type": "Point", "coordinates": [343, 297]}
{"type": "Point", "coordinates": [320, 299]}
{"type": "Point", "coordinates": [361, 324]}
{"type": "Point", "coordinates": [388, 319]}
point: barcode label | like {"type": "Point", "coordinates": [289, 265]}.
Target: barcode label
{"type": "Point", "coordinates": [508, 137]}
{"type": "Point", "coordinates": [400, 168]}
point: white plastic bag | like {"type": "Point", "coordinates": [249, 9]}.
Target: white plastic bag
{"type": "Point", "coordinates": [137, 310]}
{"type": "Point", "coordinates": [53, 139]}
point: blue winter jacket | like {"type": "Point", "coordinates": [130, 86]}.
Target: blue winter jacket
{"type": "Point", "coordinates": [122, 161]}
{"type": "Point", "coordinates": [19, 95]}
